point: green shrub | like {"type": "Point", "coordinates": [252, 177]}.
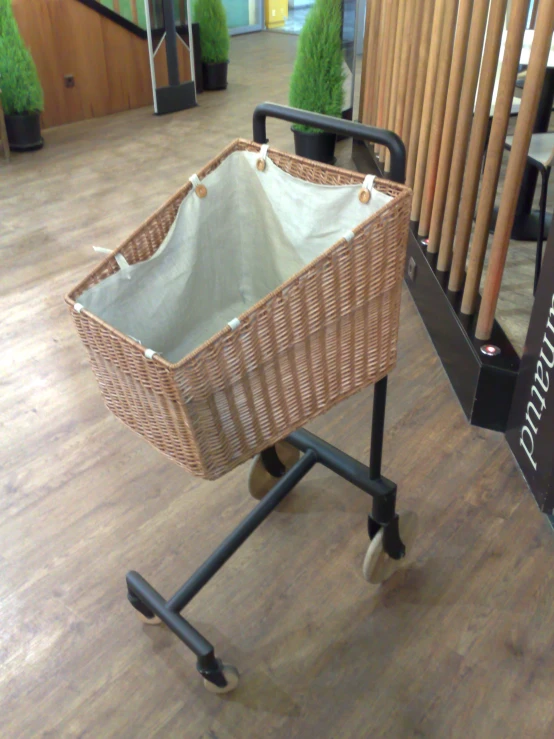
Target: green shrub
{"type": "Point", "coordinates": [8, 24]}
{"type": "Point", "coordinates": [19, 82]}
{"type": "Point", "coordinates": [214, 36]}
{"type": "Point", "coordinates": [318, 75]}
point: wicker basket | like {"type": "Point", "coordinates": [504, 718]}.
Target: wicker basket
{"type": "Point", "coordinates": [323, 335]}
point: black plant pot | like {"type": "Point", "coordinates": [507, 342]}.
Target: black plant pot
{"type": "Point", "coordinates": [215, 75]}
{"type": "Point", "coordinates": [318, 146]}
{"type": "Point", "coordinates": [24, 131]}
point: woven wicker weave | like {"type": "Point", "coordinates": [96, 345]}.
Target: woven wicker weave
{"type": "Point", "coordinates": [323, 335]}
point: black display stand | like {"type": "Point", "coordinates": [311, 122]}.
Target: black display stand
{"type": "Point", "coordinates": [484, 384]}
{"type": "Point", "coordinates": [176, 95]}
{"type": "Point", "coordinates": [531, 425]}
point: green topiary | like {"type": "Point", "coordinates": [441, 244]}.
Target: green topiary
{"type": "Point", "coordinates": [318, 75]}
{"type": "Point", "coordinates": [20, 87]}
{"type": "Point", "coordinates": [214, 36]}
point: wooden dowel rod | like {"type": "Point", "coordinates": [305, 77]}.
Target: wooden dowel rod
{"type": "Point", "coordinates": [407, 40]}
{"type": "Point", "coordinates": [134, 12]}
{"type": "Point", "coordinates": [458, 230]}
{"type": "Point", "coordinates": [395, 92]}
{"type": "Point", "coordinates": [183, 9]}
{"type": "Point", "coordinates": [419, 93]}
{"type": "Point", "coordinates": [116, 6]}
{"type": "Point", "coordinates": [365, 82]}
{"type": "Point", "coordinates": [502, 108]}
{"type": "Point", "coordinates": [386, 42]}
{"type": "Point", "coordinates": [378, 58]}
{"type": "Point", "coordinates": [434, 199]}
{"type": "Point", "coordinates": [415, 34]}
{"type": "Point", "coordinates": [532, 90]}
{"type": "Point", "coordinates": [439, 107]}
{"type": "Point", "coordinates": [533, 22]}
{"type": "Point", "coordinates": [443, 225]}
{"type": "Point", "coordinates": [371, 64]}
{"type": "Point", "coordinates": [398, 14]}
{"type": "Point", "coordinates": [427, 112]}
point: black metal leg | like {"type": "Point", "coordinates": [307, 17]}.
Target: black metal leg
{"type": "Point", "coordinates": [230, 545]}
{"type": "Point", "coordinates": [150, 603]}
{"type": "Point", "coordinates": [545, 174]}
{"type": "Point", "coordinates": [378, 428]}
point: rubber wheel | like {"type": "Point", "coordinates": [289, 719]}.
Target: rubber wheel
{"type": "Point", "coordinates": [260, 481]}
{"type": "Point", "coordinates": [154, 621]}
{"type": "Point", "coordinates": [231, 674]}
{"type": "Point", "coordinates": [378, 566]}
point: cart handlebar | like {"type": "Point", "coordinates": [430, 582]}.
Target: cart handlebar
{"type": "Point", "coordinates": [341, 127]}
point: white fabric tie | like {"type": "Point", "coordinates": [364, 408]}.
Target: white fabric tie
{"type": "Point", "coordinates": [122, 263]}
{"type": "Point", "coordinates": [368, 182]}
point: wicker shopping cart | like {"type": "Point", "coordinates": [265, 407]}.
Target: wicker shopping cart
{"type": "Point", "coordinates": [317, 312]}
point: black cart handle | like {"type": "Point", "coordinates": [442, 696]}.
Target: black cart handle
{"type": "Point", "coordinates": [359, 131]}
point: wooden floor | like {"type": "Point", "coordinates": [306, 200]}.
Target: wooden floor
{"type": "Point", "coordinates": [459, 644]}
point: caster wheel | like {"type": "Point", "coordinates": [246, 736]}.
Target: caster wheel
{"type": "Point", "coordinates": [378, 566]}
{"type": "Point", "coordinates": [154, 621]}
{"type": "Point", "coordinates": [231, 674]}
{"type": "Point", "coordinates": [260, 481]}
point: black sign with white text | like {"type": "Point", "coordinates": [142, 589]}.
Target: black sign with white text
{"type": "Point", "coordinates": [530, 431]}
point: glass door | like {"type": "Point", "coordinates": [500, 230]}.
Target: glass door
{"type": "Point", "coordinates": [244, 16]}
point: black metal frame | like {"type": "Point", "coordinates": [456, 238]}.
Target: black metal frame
{"type": "Point", "coordinates": [143, 596]}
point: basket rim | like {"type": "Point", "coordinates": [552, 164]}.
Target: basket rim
{"type": "Point", "coordinates": [403, 192]}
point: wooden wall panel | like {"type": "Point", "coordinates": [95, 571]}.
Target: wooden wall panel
{"type": "Point", "coordinates": [110, 64]}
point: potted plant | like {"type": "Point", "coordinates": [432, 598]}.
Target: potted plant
{"type": "Point", "coordinates": [317, 79]}
{"type": "Point", "coordinates": [214, 43]}
{"type": "Point", "coordinates": [21, 92]}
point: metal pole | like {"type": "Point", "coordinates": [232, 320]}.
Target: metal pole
{"type": "Point", "coordinates": [229, 546]}
{"type": "Point", "coordinates": [150, 52]}
{"type": "Point", "coordinates": [171, 44]}
{"type": "Point", "coordinates": [377, 429]}
{"type": "Point", "coordinates": [191, 47]}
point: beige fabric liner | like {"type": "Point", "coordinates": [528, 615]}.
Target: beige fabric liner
{"type": "Point", "coordinates": [225, 252]}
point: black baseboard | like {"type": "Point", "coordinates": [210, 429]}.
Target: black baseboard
{"type": "Point", "coordinates": [484, 384]}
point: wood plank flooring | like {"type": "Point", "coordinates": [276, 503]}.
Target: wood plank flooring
{"type": "Point", "coordinates": [459, 644]}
